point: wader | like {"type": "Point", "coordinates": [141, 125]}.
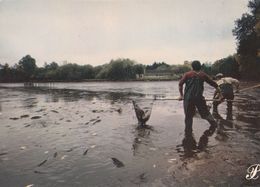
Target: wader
{"type": "Point", "coordinates": [193, 99]}
{"type": "Point", "coordinates": [227, 92]}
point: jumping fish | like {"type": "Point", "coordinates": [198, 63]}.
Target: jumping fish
{"type": "Point", "coordinates": [118, 163]}
{"type": "Point", "coordinates": [43, 162]}
{"type": "Point", "coordinates": [40, 172]}
{"type": "Point", "coordinates": [85, 152]}
{"type": "Point", "coordinates": [15, 118]}
{"type": "Point", "coordinates": [24, 116]}
{"type": "Point", "coordinates": [142, 116]}
{"type": "Point", "coordinates": [55, 155]}
{"type": "Point", "coordinates": [35, 117]}
{"type": "Point", "coordinates": [3, 153]}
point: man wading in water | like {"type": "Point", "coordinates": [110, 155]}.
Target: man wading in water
{"type": "Point", "coordinates": [226, 85]}
{"type": "Point", "coordinates": [193, 96]}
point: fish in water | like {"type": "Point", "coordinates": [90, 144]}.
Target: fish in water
{"type": "Point", "coordinates": [24, 116]}
{"type": "Point", "coordinates": [14, 118]}
{"type": "Point", "coordinates": [3, 153]}
{"type": "Point", "coordinates": [55, 155]}
{"type": "Point", "coordinates": [43, 162]}
{"type": "Point", "coordinates": [85, 152]}
{"type": "Point", "coordinates": [118, 163]}
{"type": "Point", "coordinates": [39, 172]}
{"type": "Point", "coordinates": [142, 116]}
{"type": "Point", "coordinates": [35, 117]}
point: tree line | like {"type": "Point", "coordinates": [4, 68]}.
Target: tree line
{"type": "Point", "coordinates": [26, 70]}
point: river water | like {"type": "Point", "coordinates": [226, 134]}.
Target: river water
{"type": "Point", "coordinates": [66, 134]}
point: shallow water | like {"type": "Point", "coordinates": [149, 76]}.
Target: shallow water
{"type": "Point", "coordinates": [65, 134]}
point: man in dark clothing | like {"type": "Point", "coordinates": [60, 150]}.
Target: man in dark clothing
{"type": "Point", "coordinates": [193, 95]}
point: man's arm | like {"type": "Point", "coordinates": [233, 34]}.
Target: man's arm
{"type": "Point", "coordinates": [215, 85]}
{"type": "Point", "coordinates": [210, 81]}
{"type": "Point", "coordinates": [182, 81]}
{"type": "Point", "coordinates": [235, 83]}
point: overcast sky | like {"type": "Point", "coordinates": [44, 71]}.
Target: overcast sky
{"type": "Point", "coordinates": [96, 31]}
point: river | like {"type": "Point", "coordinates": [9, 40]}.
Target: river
{"type": "Point", "coordinates": [87, 134]}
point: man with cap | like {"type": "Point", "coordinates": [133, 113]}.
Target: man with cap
{"type": "Point", "coordinates": [193, 95]}
{"type": "Point", "coordinates": [226, 85]}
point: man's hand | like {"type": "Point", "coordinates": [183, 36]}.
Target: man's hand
{"type": "Point", "coordinates": [221, 97]}
{"type": "Point", "coordinates": [180, 98]}
{"type": "Point", "coordinates": [218, 95]}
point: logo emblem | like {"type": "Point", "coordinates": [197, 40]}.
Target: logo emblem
{"type": "Point", "coordinates": [253, 172]}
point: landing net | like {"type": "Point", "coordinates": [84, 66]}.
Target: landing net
{"type": "Point", "coordinates": [143, 110]}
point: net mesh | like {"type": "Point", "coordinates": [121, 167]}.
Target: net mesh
{"type": "Point", "coordinates": [143, 110]}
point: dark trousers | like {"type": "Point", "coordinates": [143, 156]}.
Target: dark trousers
{"type": "Point", "coordinates": [228, 96]}
{"type": "Point", "coordinates": [189, 109]}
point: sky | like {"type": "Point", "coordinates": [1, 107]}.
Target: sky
{"type": "Point", "coordinates": [96, 31]}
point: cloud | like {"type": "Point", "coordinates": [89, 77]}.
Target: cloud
{"type": "Point", "coordinates": [96, 31]}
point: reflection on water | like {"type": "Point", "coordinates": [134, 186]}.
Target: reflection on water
{"type": "Point", "coordinates": [189, 144]}
{"type": "Point", "coordinates": [72, 95]}
{"type": "Point", "coordinates": [30, 102]}
{"type": "Point", "coordinates": [229, 117]}
{"type": "Point", "coordinates": [204, 139]}
{"type": "Point", "coordinates": [0, 108]}
{"type": "Point", "coordinates": [142, 134]}
{"type": "Point", "coordinates": [52, 98]}
{"type": "Point", "coordinates": [65, 120]}
{"type": "Point", "coordinates": [248, 111]}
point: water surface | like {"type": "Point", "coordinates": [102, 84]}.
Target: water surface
{"type": "Point", "coordinates": [65, 134]}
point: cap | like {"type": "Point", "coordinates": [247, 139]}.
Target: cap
{"type": "Point", "coordinates": [219, 75]}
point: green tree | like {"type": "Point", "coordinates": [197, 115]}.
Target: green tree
{"type": "Point", "coordinates": [228, 66]}
{"type": "Point", "coordinates": [121, 69]}
{"type": "Point", "coordinates": [88, 72]}
{"type": "Point", "coordinates": [40, 74]}
{"type": "Point", "coordinates": [48, 72]}
{"type": "Point", "coordinates": [68, 72]}
{"type": "Point", "coordinates": [5, 73]}
{"type": "Point", "coordinates": [156, 65]}
{"type": "Point", "coordinates": [180, 69]}
{"type": "Point", "coordinates": [28, 66]}
{"type": "Point", "coordinates": [101, 72]}
{"type": "Point", "coordinates": [51, 66]}
{"type": "Point", "coordinates": [138, 69]}
{"type": "Point", "coordinates": [207, 68]}
{"type": "Point", "coordinates": [247, 33]}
